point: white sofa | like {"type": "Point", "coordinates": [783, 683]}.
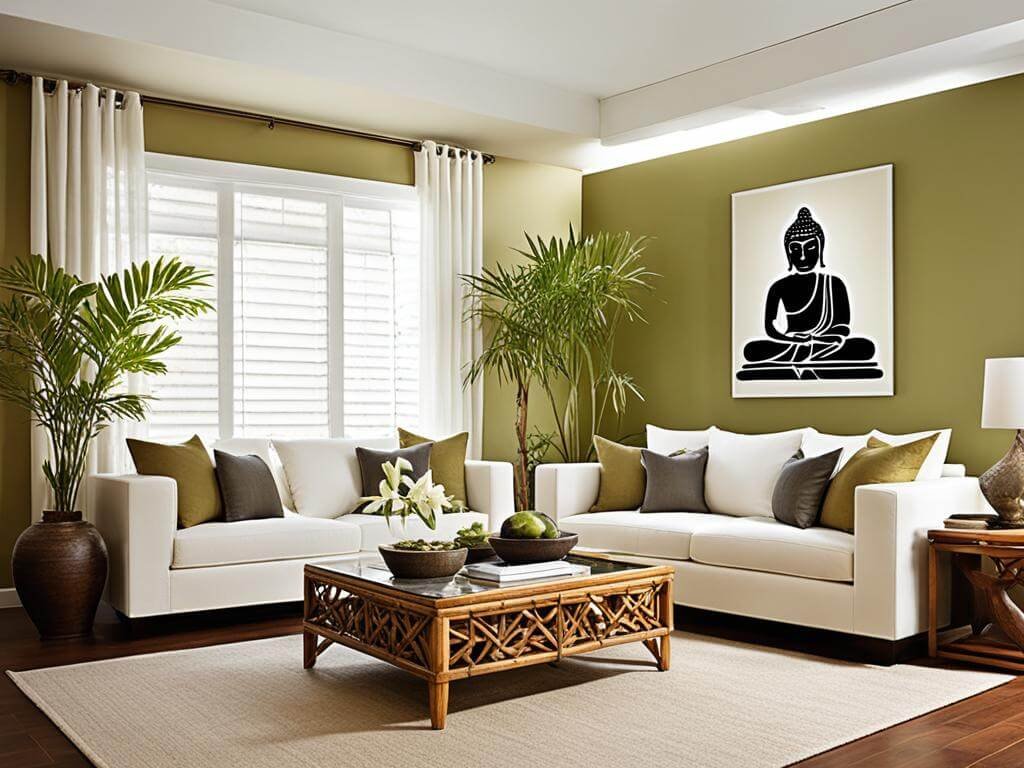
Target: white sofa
{"type": "Point", "coordinates": [157, 568]}
{"type": "Point", "coordinates": [870, 584]}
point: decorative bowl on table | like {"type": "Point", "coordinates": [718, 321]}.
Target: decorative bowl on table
{"type": "Point", "coordinates": [480, 553]}
{"type": "Point", "coordinates": [521, 551]}
{"type": "Point", "coordinates": [423, 564]}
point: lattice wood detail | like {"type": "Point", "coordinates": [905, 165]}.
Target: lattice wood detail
{"type": "Point", "coordinates": [402, 634]}
{"type": "Point", "coordinates": [553, 625]}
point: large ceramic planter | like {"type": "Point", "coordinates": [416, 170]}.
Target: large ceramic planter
{"type": "Point", "coordinates": [60, 567]}
{"type": "Point", "coordinates": [414, 564]}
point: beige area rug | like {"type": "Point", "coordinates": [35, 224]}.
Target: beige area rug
{"type": "Point", "coordinates": [251, 704]}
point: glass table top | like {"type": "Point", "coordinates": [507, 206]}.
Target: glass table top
{"type": "Point", "coordinates": [455, 586]}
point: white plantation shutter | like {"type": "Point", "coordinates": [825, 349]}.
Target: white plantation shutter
{"type": "Point", "coordinates": [381, 319]}
{"type": "Point", "coordinates": [183, 222]}
{"type": "Point", "coordinates": [316, 327]}
{"type": "Point", "coordinates": [280, 307]}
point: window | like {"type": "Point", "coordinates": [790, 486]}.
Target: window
{"type": "Point", "coordinates": [316, 327]}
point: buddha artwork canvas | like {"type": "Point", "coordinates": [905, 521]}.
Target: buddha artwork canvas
{"type": "Point", "coordinates": [812, 287]}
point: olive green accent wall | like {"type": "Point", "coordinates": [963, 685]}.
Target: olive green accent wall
{"type": "Point", "coordinates": [958, 163]}
{"type": "Point", "coordinates": [518, 196]}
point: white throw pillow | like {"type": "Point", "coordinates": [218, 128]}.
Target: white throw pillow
{"type": "Point", "coordinates": [932, 467]}
{"type": "Point", "coordinates": [323, 474]}
{"type": "Point", "coordinates": [259, 446]}
{"type": "Point", "coordinates": [668, 441]}
{"type": "Point", "coordinates": [742, 470]}
{"type": "Point", "coordinates": [816, 443]}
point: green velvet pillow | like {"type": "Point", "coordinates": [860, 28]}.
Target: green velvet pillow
{"type": "Point", "coordinates": [447, 460]}
{"type": "Point", "coordinates": [191, 467]}
{"type": "Point", "coordinates": [623, 478]}
{"type": "Point", "coordinates": [877, 463]}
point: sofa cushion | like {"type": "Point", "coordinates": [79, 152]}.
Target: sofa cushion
{"type": "Point", "coordinates": [323, 474]}
{"type": "Point", "coordinates": [262, 447]}
{"type": "Point", "coordinates": [254, 541]}
{"type": "Point", "coordinates": [447, 460]}
{"type": "Point", "coordinates": [668, 441]}
{"type": "Point", "coordinates": [742, 470]}
{"type": "Point", "coordinates": [765, 544]}
{"type": "Point", "coordinates": [816, 443]}
{"type": "Point", "coordinates": [666, 534]}
{"type": "Point", "coordinates": [374, 529]}
{"type": "Point", "coordinates": [247, 488]}
{"type": "Point", "coordinates": [931, 469]}
{"type": "Point", "coordinates": [674, 483]}
{"type": "Point", "coordinates": [191, 467]}
{"type": "Point", "coordinates": [622, 476]}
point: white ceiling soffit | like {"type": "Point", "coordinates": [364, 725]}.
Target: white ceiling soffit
{"type": "Point", "coordinates": [529, 85]}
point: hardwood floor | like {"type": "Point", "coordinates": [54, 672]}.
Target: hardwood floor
{"type": "Point", "coordinates": [986, 731]}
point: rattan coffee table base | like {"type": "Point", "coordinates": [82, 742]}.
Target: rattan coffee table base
{"type": "Point", "coordinates": [448, 639]}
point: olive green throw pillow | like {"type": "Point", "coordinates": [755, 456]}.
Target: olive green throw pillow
{"type": "Point", "coordinates": [877, 463]}
{"type": "Point", "coordinates": [623, 478]}
{"type": "Point", "coordinates": [447, 460]}
{"type": "Point", "coordinates": [191, 467]}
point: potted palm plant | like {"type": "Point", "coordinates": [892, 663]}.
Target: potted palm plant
{"type": "Point", "coordinates": [550, 324]}
{"type": "Point", "coordinates": [65, 348]}
{"type": "Point", "coordinates": [402, 496]}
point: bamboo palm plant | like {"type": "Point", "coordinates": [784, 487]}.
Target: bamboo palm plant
{"type": "Point", "coordinates": [66, 346]}
{"type": "Point", "coordinates": [551, 322]}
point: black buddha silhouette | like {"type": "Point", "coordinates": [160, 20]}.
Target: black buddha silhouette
{"type": "Point", "coordinates": [807, 319]}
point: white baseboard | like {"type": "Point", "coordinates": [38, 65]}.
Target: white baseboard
{"type": "Point", "coordinates": [9, 598]}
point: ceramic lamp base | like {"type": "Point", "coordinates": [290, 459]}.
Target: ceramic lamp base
{"type": "Point", "coordinates": [1003, 485]}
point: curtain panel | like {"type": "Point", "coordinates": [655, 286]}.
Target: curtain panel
{"type": "Point", "coordinates": [450, 189]}
{"type": "Point", "coordinates": [88, 215]}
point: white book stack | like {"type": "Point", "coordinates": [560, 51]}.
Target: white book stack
{"type": "Point", "coordinates": [503, 573]}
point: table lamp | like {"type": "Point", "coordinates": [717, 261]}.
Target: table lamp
{"type": "Point", "coordinates": [1003, 408]}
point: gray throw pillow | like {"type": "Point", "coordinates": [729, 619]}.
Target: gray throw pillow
{"type": "Point", "coordinates": [674, 483]}
{"type": "Point", "coordinates": [371, 464]}
{"type": "Point", "coordinates": [801, 488]}
{"type": "Point", "coordinates": [247, 487]}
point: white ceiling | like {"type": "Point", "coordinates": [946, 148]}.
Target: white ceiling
{"type": "Point", "coordinates": [596, 47]}
{"type": "Point", "coordinates": [589, 84]}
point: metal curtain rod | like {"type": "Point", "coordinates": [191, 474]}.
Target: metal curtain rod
{"type": "Point", "coordinates": [13, 77]}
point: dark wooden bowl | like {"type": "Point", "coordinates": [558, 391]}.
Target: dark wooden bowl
{"type": "Point", "coordinates": [412, 564]}
{"type": "Point", "coordinates": [518, 551]}
{"type": "Point", "coordinates": [479, 554]}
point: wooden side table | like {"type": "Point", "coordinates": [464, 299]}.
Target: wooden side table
{"type": "Point", "coordinates": [997, 623]}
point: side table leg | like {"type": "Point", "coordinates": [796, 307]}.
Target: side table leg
{"type": "Point", "coordinates": [308, 649]}
{"type": "Point", "coordinates": [933, 602]}
{"type": "Point", "coordinates": [438, 705]}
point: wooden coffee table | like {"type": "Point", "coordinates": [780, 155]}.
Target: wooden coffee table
{"type": "Point", "coordinates": [447, 630]}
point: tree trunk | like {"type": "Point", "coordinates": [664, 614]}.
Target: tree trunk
{"type": "Point", "coordinates": [522, 468]}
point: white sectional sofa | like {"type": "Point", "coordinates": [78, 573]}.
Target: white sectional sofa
{"type": "Point", "coordinates": [870, 584]}
{"type": "Point", "coordinates": [157, 568]}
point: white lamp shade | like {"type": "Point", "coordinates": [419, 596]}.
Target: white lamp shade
{"type": "Point", "coordinates": [1003, 405]}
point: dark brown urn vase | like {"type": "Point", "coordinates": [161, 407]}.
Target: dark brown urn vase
{"type": "Point", "coordinates": [60, 567]}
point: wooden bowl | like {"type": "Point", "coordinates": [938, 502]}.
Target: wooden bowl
{"type": "Point", "coordinates": [518, 551]}
{"type": "Point", "coordinates": [413, 564]}
{"type": "Point", "coordinates": [478, 554]}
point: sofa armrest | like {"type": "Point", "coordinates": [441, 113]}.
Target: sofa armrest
{"type": "Point", "coordinates": [954, 470]}
{"type": "Point", "coordinates": [137, 515]}
{"type": "Point", "coordinates": [890, 561]}
{"type": "Point", "coordinates": [563, 490]}
{"type": "Point", "coordinates": [489, 490]}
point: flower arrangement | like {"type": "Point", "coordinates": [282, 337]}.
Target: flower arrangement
{"type": "Point", "coordinates": [401, 495]}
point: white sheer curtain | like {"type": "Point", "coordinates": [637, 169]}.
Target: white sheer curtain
{"type": "Point", "coordinates": [450, 185]}
{"type": "Point", "coordinates": [88, 214]}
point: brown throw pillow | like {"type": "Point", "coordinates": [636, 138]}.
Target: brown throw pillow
{"type": "Point", "coordinates": [371, 467]}
{"type": "Point", "coordinates": [190, 466]}
{"type": "Point", "coordinates": [447, 460]}
{"type": "Point", "coordinates": [622, 476]}
{"type": "Point", "coordinates": [877, 463]}
{"type": "Point", "coordinates": [247, 487]}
